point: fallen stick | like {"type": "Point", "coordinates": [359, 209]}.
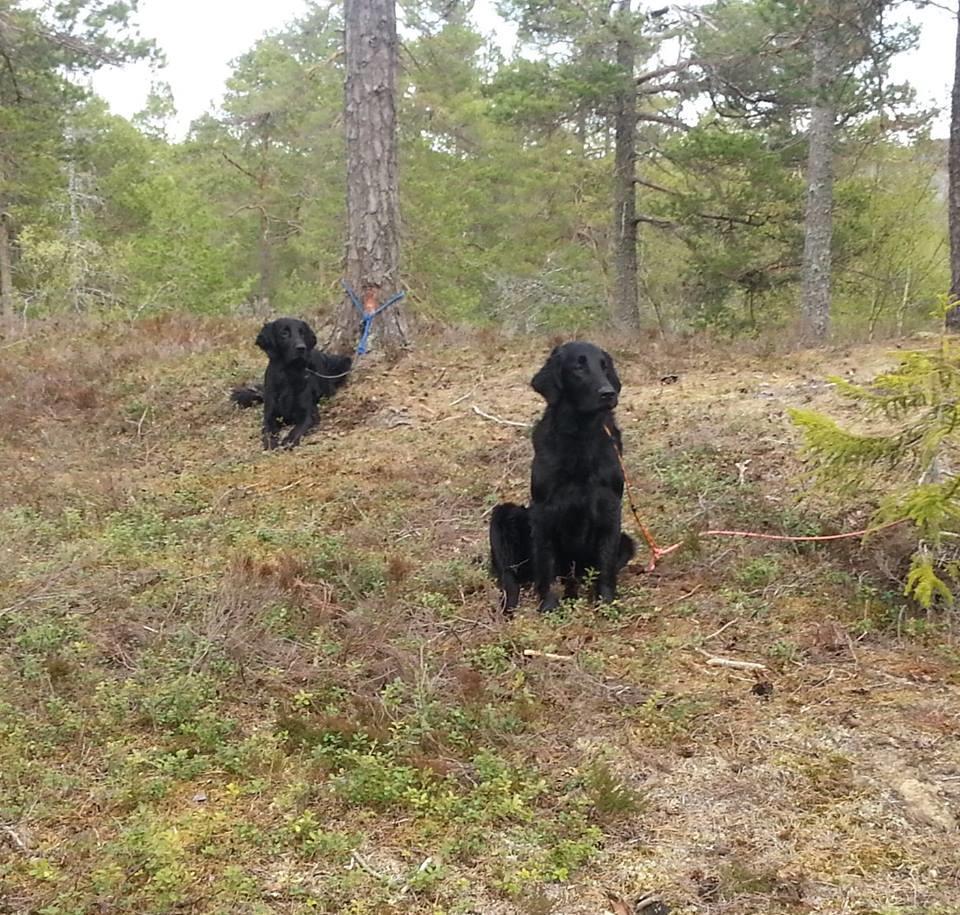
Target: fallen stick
{"type": "Point", "coordinates": [726, 625]}
{"type": "Point", "coordinates": [734, 665]}
{"type": "Point", "coordinates": [549, 655]}
{"type": "Point", "coordinates": [497, 419]}
{"type": "Point", "coordinates": [682, 597]}
{"type": "Point", "coordinates": [356, 860]}
{"type": "Point", "coordinates": [469, 393]}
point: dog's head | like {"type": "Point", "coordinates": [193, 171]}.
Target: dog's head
{"type": "Point", "coordinates": [288, 340]}
{"type": "Point", "coordinates": [581, 374]}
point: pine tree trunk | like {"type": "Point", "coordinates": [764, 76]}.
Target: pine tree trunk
{"type": "Point", "coordinates": [263, 262]}
{"type": "Point", "coordinates": [953, 194]}
{"type": "Point", "coordinates": [6, 274]}
{"type": "Point", "coordinates": [264, 252]}
{"type": "Point", "coordinates": [624, 178]}
{"type": "Point", "coordinates": [818, 222]}
{"type": "Point", "coordinates": [74, 231]}
{"type": "Point", "coordinates": [373, 208]}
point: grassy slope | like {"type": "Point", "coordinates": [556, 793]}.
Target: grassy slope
{"type": "Point", "coordinates": [236, 682]}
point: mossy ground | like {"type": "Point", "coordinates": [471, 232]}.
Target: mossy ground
{"type": "Point", "coordinates": [240, 682]}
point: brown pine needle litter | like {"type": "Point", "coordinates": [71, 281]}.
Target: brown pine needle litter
{"type": "Point", "coordinates": [309, 642]}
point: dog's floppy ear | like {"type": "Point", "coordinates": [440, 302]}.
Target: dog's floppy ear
{"type": "Point", "coordinates": [611, 372]}
{"type": "Point", "coordinates": [548, 382]}
{"type": "Point", "coordinates": [309, 337]}
{"type": "Point", "coordinates": [267, 338]}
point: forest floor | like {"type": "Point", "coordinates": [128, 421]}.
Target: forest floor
{"type": "Point", "coordinates": [239, 682]}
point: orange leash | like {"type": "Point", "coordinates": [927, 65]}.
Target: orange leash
{"type": "Point", "coordinates": [657, 552]}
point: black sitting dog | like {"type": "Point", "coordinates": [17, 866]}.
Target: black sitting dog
{"type": "Point", "coordinates": [573, 523]}
{"type": "Point", "coordinates": [298, 376]}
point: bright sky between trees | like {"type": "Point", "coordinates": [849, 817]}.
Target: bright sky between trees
{"type": "Point", "coordinates": [200, 38]}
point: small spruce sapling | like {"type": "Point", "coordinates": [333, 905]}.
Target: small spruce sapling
{"type": "Point", "coordinates": [903, 458]}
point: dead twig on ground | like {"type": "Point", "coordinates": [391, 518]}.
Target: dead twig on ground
{"type": "Point", "coordinates": [853, 653]}
{"type": "Point", "coordinates": [549, 655]}
{"type": "Point", "coordinates": [469, 393]}
{"type": "Point", "coordinates": [742, 471]}
{"type": "Point", "coordinates": [261, 489]}
{"type": "Point", "coordinates": [725, 626]}
{"type": "Point", "coordinates": [730, 663]}
{"type": "Point", "coordinates": [356, 860]}
{"type": "Point", "coordinates": [497, 419]}
{"type": "Point", "coordinates": [681, 598]}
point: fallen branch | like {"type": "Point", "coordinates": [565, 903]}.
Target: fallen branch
{"type": "Point", "coordinates": [262, 488]}
{"type": "Point", "coordinates": [469, 393]}
{"type": "Point", "coordinates": [549, 655]}
{"type": "Point", "coordinates": [497, 419]}
{"type": "Point", "coordinates": [355, 859]}
{"type": "Point", "coordinates": [726, 625]}
{"type": "Point", "coordinates": [734, 665]}
{"type": "Point", "coordinates": [682, 598]}
{"type": "Point", "coordinates": [394, 883]}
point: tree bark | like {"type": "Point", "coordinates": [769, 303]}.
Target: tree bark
{"type": "Point", "coordinates": [624, 174]}
{"type": "Point", "coordinates": [264, 252]}
{"type": "Point", "coordinates": [74, 229]}
{"type": "Point", "coordinates": [953, 193]}
{"type": "Point", "coordinates": [6, 274]}
{"type": "Point", "coordinates": [373, 208]}
{"type": "Point", "coordinates": [818, 221]}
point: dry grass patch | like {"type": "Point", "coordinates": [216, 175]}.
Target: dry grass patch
{"type": "Point", "coordinates": [235, 681]}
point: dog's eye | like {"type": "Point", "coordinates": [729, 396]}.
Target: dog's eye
{"type": "Point", "coordinates": [603, 364]}
{"type": "Point", "coordinates": [581, 360]}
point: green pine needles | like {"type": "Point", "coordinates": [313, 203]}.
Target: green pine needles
{"type": "Point", "coordinates": [901, 457]}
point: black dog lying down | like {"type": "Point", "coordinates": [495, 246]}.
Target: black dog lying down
{"type": "Point", "coordinates": [573, 522]}
{"type": "Point", "coordinates": [297, 377]}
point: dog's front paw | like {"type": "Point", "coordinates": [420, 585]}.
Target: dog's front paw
{"type": "Point", "coordinates": [550, 602]}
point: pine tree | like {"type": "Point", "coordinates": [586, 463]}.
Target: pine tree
{"type": "Point", "coordinates": [373, 198]}
{"type": "Point", "coordinates": [822, 63]}
{"type": "Point", "coordinates": [953, 190]}
{"type": "Point", "coordinates": [589, 52]}
{"type": "Point", "coordinates": [42, 48]}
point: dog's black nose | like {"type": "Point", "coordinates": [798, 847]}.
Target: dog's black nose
{"type": "Point", "coordinates": [607, 394]}
{"type": "Point", "coordinates": [301, 347]}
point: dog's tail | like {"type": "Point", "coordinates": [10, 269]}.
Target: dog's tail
{"type": "Point", "coordinates": [511, 553]}
{"type": "Point", "coordinates": [626, 551]}
{"type": "Point", "coordinates": [338, 368]}
{"type": "Point", "coordinates": [247, 395]}
{"type": "Point", "coordinates": [510, 543]}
